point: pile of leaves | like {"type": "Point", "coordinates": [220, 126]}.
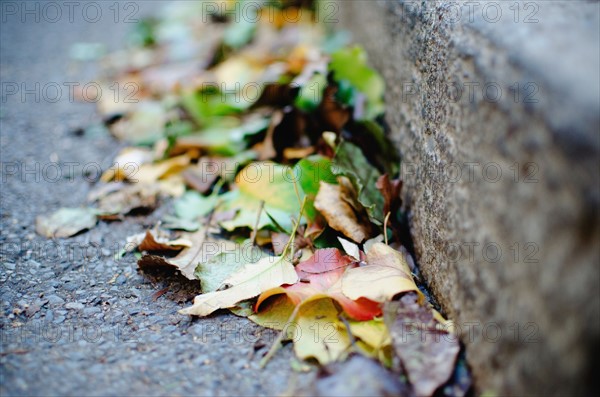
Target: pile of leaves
{"type": "Point", "coordinates": [266, 130]}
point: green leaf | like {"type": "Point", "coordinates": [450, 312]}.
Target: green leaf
{"type": "Point", "coordinates": [311, 94]}
{"type": "Point", "coordinates": [266, 182]}
{"type": "Point", "coordinates": [208, 105]}
{"type": "Point", "coordinates": [309, 172]}
{"type": "Point", "coordinates": [216, 270]}
{"type": "Point", "coordinates": [174, 223]}
{"type": "Point", "coordinates": [193, 205]}
{"type": "Point", "coordinates": [225, 139]}
{"type": "Point", "coordinates": [241, 31]}
{"type": "Point", "coordinates": [350, 64]}
{"type": "Point", "coordinates": [349, 161]}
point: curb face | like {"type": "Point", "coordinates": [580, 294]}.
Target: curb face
{"type": "Point", "coordinates": [497, 124]}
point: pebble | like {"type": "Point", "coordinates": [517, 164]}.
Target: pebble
{"type": "Point", "coordinates": [59, 319]}
{"type": "Point", "coordinates": [88, 311]}
{"type": "Point", "coordinates": [74, 306]}
{"type": "Point", "coordinates": [55, 300]}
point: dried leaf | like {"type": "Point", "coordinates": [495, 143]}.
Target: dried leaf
{"type": "Point", "coordinates": [320, 277]}
{"type": "Point", "coordinates": [350, 162]}
{"type": "Point", "coordinates": [231, 258]}
{"type": "Point", "coordinates": [317, 333]}
{"type": "Point", "coordinates": [150, 173]}
{"type": "Point", "coordinates": [350, 248]}
{"type": "Point", "coordinates": [187, 260]}
{"type": "Point", "coordinates": [427, 351]}
{"type": "Point", "coordinates": [145, 124]}
{"type": "Point", "coordinates": [129, 198]}
{"type": "Point", "coordinates": [339, 214]}
{"type": "Point", "coordinates": [385, 275]}
{"type": "Point", "coordinates": [259, 182]}
{"type": "Point", "coordinates": [390, 190]}
{"type": "Point", "coordinates": [250, 281]}
{"type": "Point", "coordinates": [156, 241]}
{"type": "Point", "coordinates": [65, 222]}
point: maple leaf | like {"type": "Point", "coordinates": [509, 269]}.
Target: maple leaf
{"type": "Point", "coordinates": [321, 277]}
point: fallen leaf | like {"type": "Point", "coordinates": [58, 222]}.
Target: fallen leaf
{"type": "Point", "coordinates": [427, 351]}
{"type": "Point", "coordinates": [203, 175]}
{"type": "Point", "coordinates": [349, 161]}
{"type": "Point", "coordinates": [390, 190]}
{"type": "Point", "coordinates": [174, 223]}
{"type": "Point", "coordinates": [250, 281]}
{"type": "Point", "coordinates": [145, 124]}
{"type": "Point", "coordinates": [358, 376]}
{"type": "Point", "coordinates": [150, 173]}
{"type": "Point", "coordinates": [193, 205]}
{"type": "Point", "coordinates": [259, 182]}
{"type": "Point", "coordinates": [339, 214]}
{"type": "Point", "coordinates": [350, 248]}
{"type": "Point", "coordinates": [231, 258]}
{"type": "Point", "coordinates": [129, 198]}
{"type": "Point", "coordinates": [320, 277]}
{"type": "Point", "coordinates": [156, 241]}
{"type": "Point", "coordinates": [317, 333]}
{"type": "Point", "coordinates": [65, 222]}
{"type": "Point", "coordinates": [350, 65]}
{"type": "Point", "coordinates": [186, 261]}
{"type": "Point", "coordinates": [370, 242]}
{"type": "Point", "coordinates": [127, 163]}
{"type": "Point", "coordinates": [385, 275]}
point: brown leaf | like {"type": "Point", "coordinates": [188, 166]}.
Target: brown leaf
{"type": "Point", "coordinates": [390, 190]}
{"type": "Point", "coordinates": [333, 202]}
{"type": "Point", "coordinates": [359, 376]}
{"type": "Point", "coordinates": [129, 198]}
{"type": "Point", "coordinates": [156, 241]}
{"type": "Point", "coordinates": [201, 176]}
{"type": "Point", "coordinates": [332, 114]}
{"type": "Point", "coordinates": [266, 150]}
{"type": "Point", "coordinates": [203, 248]}
{"type": "Point", "coordinates": [427, 351]}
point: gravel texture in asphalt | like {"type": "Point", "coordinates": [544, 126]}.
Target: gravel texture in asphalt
{"type": "Point", "coordinates": [74, 320]}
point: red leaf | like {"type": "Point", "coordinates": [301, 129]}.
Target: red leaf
{"type": "Point", "coordinates": [320, 277]}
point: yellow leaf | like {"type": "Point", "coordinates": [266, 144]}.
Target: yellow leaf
{"type": "Point", "coordinates": [318, 333]}
{"type": "Point", "coordinates": [385, 275]}
{"type": "Point", "coordinates": [150, 173]}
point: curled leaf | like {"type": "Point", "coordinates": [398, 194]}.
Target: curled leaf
{"type": "Point", "coordinates": [340, 215]}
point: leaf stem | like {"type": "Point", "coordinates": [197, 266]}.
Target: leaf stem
{"type": "Point", "coordinates": [385, 222]}
{"type": "Point", "coordinates": [255, 230]}
{"type": "Point", "coordinates": [277, 342]}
